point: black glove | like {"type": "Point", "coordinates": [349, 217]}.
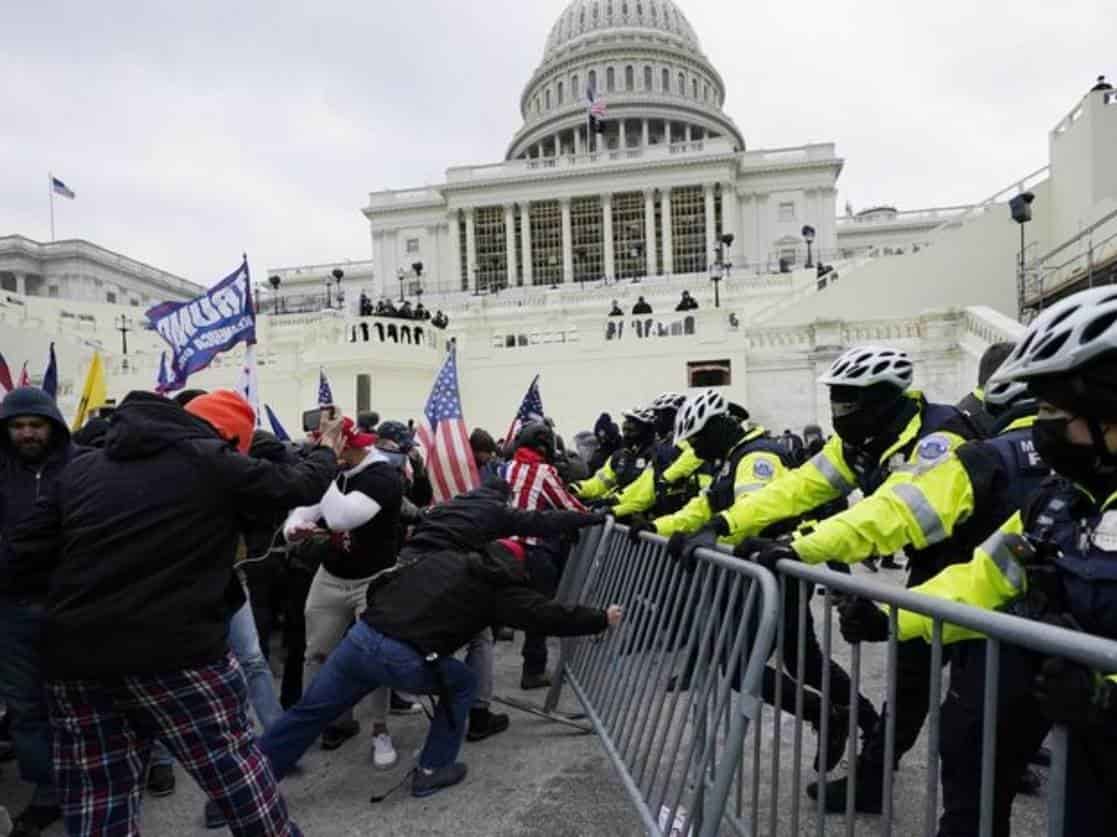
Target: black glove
{"type": "Point", "coordinates": [604, 504]}
{"type": "Point", "coordinates": [683, 548]}
{"type": "Point", "coordinates": [765, 551]}
{"type": "Point", "coordinates": [594, 519]}
{"type": "Point", "coordinates": [862, 621]}
{"type": "Point", "coordinates": [1069, 693]}
{"type": "Point", "coordinates": [639, 524]}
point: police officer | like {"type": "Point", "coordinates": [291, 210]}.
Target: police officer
{"type": "Point", "coordinates": [636, 452]}
{"type": "Point", "coordinates": [885, 432]}
{"type": "Point", "coordinates": [746, 460]}
{"type": "Point", "coordinates": [974, 404]}
{"type": "Point", "coordinates": [1055, 560]}
{"type": "Point", "coordinates": [672, 477]}
{"type": "Point", "coordinates": [980, 484]}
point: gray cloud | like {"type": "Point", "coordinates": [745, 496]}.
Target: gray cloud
{"type": "Point", "coordinates": [193, 131]}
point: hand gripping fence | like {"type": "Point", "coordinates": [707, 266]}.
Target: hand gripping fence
{"type": "Point", "coordinates": [673, 692]}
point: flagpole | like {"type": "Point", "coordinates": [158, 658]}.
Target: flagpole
{"type": "Point", "coordinates": [50, 192]}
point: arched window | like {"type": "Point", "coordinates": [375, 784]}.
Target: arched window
{"type": "Point", "coordinates": [682, 84]}
{"type": "Point", "coordinates": [706, 92]}
{"type": "Point", "coordinates": [694, 88]}
{"type": "Point", "coordinates": [629, 78]}
{"type": "Point", "coordinates": [575, 91]}
{"type": "Point", "coordinates": [665, 82]}
{"type": "Point", "coordinates": [547, 99]}
{"type": "Point", "coordinates": [559, 92]}
{"type": "Point", "coordinates": [537, 104]}
{"type": "Point", "coordinates": [647, 78]}
{"type": "Point", "coordinates": [593, 80]}
{"type": "Point", "coordinates": [610, 80]}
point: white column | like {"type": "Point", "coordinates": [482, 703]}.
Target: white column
{"type": "Point", "coordinates": [645, 137]}
{"type": "Point", "coordinates": [607, 233]}
{"type": "Point", "coordinates": [433, 262]}
{"type": "Point", "coordinates": [828, 211]}
{"type": "Point", "coordinates": [649, 228]}
{"type": "Point", "coordinates": [623, 135]}
{"type": "Point", "coordinates": [763, 241]}
{"type": "Point", "coordinates": [453, 282]}
{"type": "Point", "coordinates": [686, 130]}
{"type": "Point", "coordinates": [748, 248]}
{"type": "Point", "coordinates": [711, 221]}
{"type": "Point", "coordinates": [525, 235]}
{"type": "Point", "coordinates": [567, 243]}
{"type": "Point", "coordinates": [577, 140]}
{"type": "Point", "coordinates": [470, 249]}
{"type": "Point", "coordinates": [729, 219]}
{"type": "Point", "coordinates": [665, 220]}
{"type": "Point", "coordinates": [21, 284]}
{"type": "Point", "coordinates": [510, 243]}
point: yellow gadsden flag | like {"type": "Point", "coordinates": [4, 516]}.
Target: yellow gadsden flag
{"type": "Point", "coordinates": [93, 394]}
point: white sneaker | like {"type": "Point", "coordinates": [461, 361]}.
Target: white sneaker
{"type": "Point", "coordinates": [383, 752]}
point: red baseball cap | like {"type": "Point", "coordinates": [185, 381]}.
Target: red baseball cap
{"type": "Point", "coordinates": [354, 436]}
{"type": "Point", "coordinates": [514, 547]}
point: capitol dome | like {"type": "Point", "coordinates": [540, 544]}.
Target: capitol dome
{"type": "Point", "coordinates": [644, 60]}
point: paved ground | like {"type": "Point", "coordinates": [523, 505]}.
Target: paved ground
{"type": "Point", "coordinates": [537, 780]}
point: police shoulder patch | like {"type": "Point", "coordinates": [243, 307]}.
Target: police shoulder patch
{"type": "Point", "coordinates": [763, 469]}
{"type": "Point", "coordinates": [934, 447]}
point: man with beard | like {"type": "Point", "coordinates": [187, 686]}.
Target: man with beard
{"type": "Point", "coordinates": [35, 447]}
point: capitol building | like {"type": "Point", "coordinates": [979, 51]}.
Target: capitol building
{"type": "Point", "coordinates": [661, 193]}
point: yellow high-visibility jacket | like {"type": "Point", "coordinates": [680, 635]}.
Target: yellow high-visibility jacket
{"type": "Point", "coordinates": [757, 466]}
{"type": "Point", "coordinates": [991, 579]}
{"type": "Point", "coordinates": [640, 495]}
{"type": "Point", "coordinates": [918, 507]}
{"type": "Point", "coordinates": [827, 476]}
{"type": "Point", "coordinates": [618, 472]}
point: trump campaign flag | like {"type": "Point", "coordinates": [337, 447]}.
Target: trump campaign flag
{"type": "Point", "coordinates": [531, 409]}
{"type": "Point", "coordinates": [444, 437]}
{"type": "Point", "coordinates": [202, 328]}
{"type": "Point", "coordinates": [325, 394]}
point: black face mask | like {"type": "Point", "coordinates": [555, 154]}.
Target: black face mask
{"type": "Point", "coordinates": [1079, 463]}
{"type": "Point", "coordinates": [857, 427]}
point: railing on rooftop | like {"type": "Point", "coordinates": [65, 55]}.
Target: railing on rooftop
{"type": "Point", "coordinates": [1072, 261]}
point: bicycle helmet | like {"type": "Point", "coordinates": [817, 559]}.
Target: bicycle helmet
{"type": "Point", "coordinates": [697, 412]}
{"type": "Point", "coordinates": [864, 366]}
{"type": "Point", "coordinates": [1065, 337]}
{"type": "Point", "coordinates": [669, 401]}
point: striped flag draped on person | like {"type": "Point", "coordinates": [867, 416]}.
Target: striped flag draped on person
{"type": "Point", "coordinates": [531, 409]}
{"type": "Point", "coordinates": [6, 385]}
{"type": "Point", "coordinates": [444, 437]}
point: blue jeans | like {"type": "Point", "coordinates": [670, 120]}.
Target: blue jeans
{"type": "Point", "coordinates": [245, 645]}
{"type": "Point", "coordinates": [364, 661]}
{"type": "Point", "coordinates": [22, 689]}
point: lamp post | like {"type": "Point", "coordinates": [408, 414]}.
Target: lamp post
{"type": "Point", "coordinates": [275, 282]}
{"type": "Point", "coordinates": [1021, 209]}
{"type": "Point", "coordinates": [720, 268]}
{"type": "Point", "coordinates": [124, 327]}
{"type": "Point", "coordinates": [329, 301]}
{"type": "Point", "coordinates": [808, 236]}
{"type": "Point", "coordinates": [400, 275]}
{"type": "Point", "coordinates": [338, 274]}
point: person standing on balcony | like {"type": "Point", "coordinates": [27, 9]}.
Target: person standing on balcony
{"type": "Point", "coordinates": [641, 306]}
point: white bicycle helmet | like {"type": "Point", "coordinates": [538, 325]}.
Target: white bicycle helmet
{"type": "Point", "coordinates": [1065, 337]}
{"type": "Point", "coordinates": [669, 401]}
{"type": "Point", "coordinates": [697, 411]}
{"type": "Point", "coordinates": [1004, 393]}
{"type": "Point", "coordinates": [643, 415]}
{"type": "Point", "coordinates": [864, 366]}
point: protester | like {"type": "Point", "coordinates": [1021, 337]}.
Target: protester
{"type": "Point", "coordinates": [119, 669]}
{"type": "Point", "coordinates": [485, 454]}
{"type": "Point", "coordinates": [450, 583]}
{"type": "Point", "coordinates": [608, 441]}
{"type": "Point", "coordinates": [616, 311]}
{"type": "Point", "coordinates": [35, 447]}
{"type": "Point", "coordinates": [361, 512]}
{"type": "Point", "coordinates": [641, 306]}
{"type": "Point", "coordinates": [686, 302]}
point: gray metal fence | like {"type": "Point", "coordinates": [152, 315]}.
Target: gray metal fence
{"type": "Point", "coordinates": [1002, 630]}
{"type": "Point", "coordinates": [674, 691]}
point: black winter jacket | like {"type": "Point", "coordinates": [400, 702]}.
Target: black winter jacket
{"type": "Point", "coordinates": [22, 483]}
{"type": "Point", "coordinates": [451, 583]}
{"type": "Point", "coordinates": [137, 541]}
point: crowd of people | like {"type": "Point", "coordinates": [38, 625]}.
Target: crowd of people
{"type": "Point", "coordinates": [404, 311]}
{"type": "Point", "coordinates": [180, 506]}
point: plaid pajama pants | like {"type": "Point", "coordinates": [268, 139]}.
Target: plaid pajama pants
{"type": "Point", "coordinates": [104, 729]}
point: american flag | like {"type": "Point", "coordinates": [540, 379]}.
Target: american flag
{"type": "Point", "coordinates": [249, 384]}
{"type": "Point", "coordinates": [325, 395]}
{"type": "Point", "coordinates": [595, 103]}
{"type": "Point", "coordinates": [444, 437]}
{"type": "Point", "coordinates": [531, 409]}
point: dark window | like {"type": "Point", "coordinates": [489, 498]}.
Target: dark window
{"type": "Point", "coordinates": [709, 373]}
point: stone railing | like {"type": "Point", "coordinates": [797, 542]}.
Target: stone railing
{"type": "Point", "coordinates": [990, 326]}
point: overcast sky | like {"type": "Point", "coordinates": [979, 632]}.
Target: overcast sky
{"type": "Point", "coordinates": [194, 130]}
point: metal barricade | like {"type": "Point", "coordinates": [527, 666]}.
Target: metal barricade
{"type": "Point", "coordinates": [1003, 632]}
{"type": "Point", "coordinates": [673, 692]}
